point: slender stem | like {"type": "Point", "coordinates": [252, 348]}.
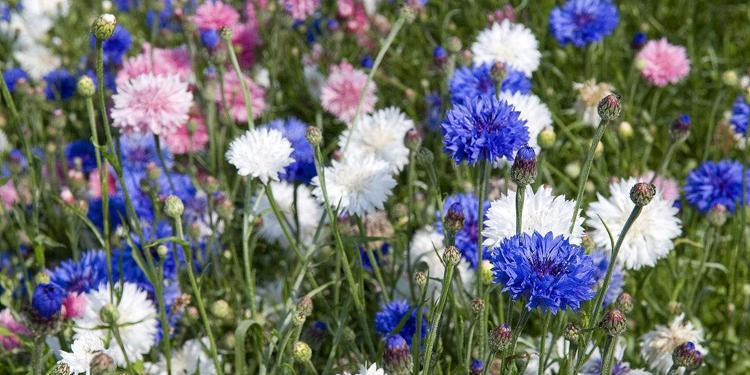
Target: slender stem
{"type": "Point", "coordinates": [486, 364]}
{"type": "Point", "coordinates": [282, 221]}
{"type": "Point", "coordinates": [664, 161]}
{"type": "Point", "coordinates": [37, 355]}
{"type": "Point", "coordinates": [484, 171]}
{"type": "Point", "coordinates": [435, 323]}
{"type": "Point", "coordinates": [371, 256]}
{"type": "Point", "coordinates": [545, 328]}
{"type": "Point", "coordinates": [586, 170]}
{"type": "Point", "coordinates": [198, 297]}
{"type": "Point", "coordinates": [116, 333]}
{"type": "Point", "coordinates": [247, 254]}
{"type": "Point", "coordinates": [246, 94]}
{"type": "Point", "coordinates": [520, 195]}
{"type": "Point", "coordinates": [163, 316]}
{"type": "Point", "coordinates": [609, 355]}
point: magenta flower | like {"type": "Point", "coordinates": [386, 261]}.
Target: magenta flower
{"type": "Point", "coordinates": [341, 92]}
{"type": "Point", "coordinates": [14, 329]}
{"type": "Point", "coordinates": [662, 63]}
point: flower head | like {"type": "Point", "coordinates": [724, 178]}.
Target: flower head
{"type": "Point", "coordinates": [380, 134]}
{"type": "Point", "coordinates": [340, 95]}
{"type": "Point", "coordinates": [649, 238]}
{"type": "Point", "coordinates": [740, 116]}
{"type": "Point", "coordinates": [84, 151]}
{"type": "Point", "coordinates": [582, 22]}
{"type": "Point", "coordinates": [713, 183]}
{"type": "Point", "coordinates": [533, 111]}
{"type": "Point", "coordinates": [156, 61]}
{"type": "Point", "coordinates": [357, 186]}
{"type": "Point", "coordinates": [303, 167]}
{"type": "Point", "coordinates": [466, 238]}
{"type": "Point", "coordinates": [82, 275]}
{"type": "Point", "coordinates": [235, 100]}
{"type": "Point", "coordinates": [514, 81]}
{"type": "Point", "coordinates": [83, 350]}
{"type": "Point", "coordinates": [191, 358]}
{"type": "Point", "coordinates": [262, 153]}
{"type": "Point", "coordinates": [484, 129]}
{"type": "Point", "coordinates": [148, 103]}
{"type": "Point", "coordinates": [191, 136]}
{"type": "Point", "coordinates": [300, 9]}
{"type": "Point", "coordinates": [13, 75]}
{"type": "Point", "coordinates": [60, 85]}
{"type": "Point", "coordinates": [136, 319]}
{"type": "Point", "coordinates": [547, 270]}
{"type": "Point", "coordinates": [662, 63]}
{"type": "Point", "coordinates": [543, 212]}
{"type": "Point", "coordinates": [307, 214]}
{"type": "Point", "coordinates": [390, 316]}
{"type": "Point", "coordinates": [470, 83]}
{"type": "Point", "coordinates": [657, 345]}
{"type": "Point", "coordinates": [510, 43]}
{"type": "Point", "coordinates": [215, 15]}
{"type": "Point", "coordinates": [12, 329]}
{"type": "Point", "coordinates": [138, 150]}
{"type": "Point", "coordinates": [47, 299]}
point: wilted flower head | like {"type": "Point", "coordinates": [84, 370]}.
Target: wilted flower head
{"type": "Point", "coordinates": [657, 345]}
{"type": "Point", "coordinates": [662, 63]}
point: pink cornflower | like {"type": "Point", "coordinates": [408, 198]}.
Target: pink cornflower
{"type": "Point", "coordinates": [75, 305]}
{"type": "Point", "coordinates": [662, 63]}
{"type": "Point", "coordinates": [233, 95]}
{"type": "Point", "coordinates": [166, 61]}
{"type": "Point", "coordinates": [8, 194]}
{"type": "Point", "coordinates": [148, 103]}
{"type": "Point", "coordinates": [15, 328]}
{"type": "Point", "coordinates": [354, 15]}
{"type": "Point", "coordinates": [95, 186]}
{"type": "Point", "coordinates": [245, 39]}
{"type": "Point", "coordinates": [183, 141]}
{"type": "Point", "coordinates": [300, 9]}
{"type": "Point", "coordinates": [215, 15]}
{"type": "Point", "coordinates": [670, 189]}
{"type": "Point", "coordinates": [341, 92]}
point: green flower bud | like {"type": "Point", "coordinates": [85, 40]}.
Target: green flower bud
{"type": "Point", "coordinates": [314, 138]}
{"type": "Point", "coordinates": [173, 207]}
{"type": "Point", "coordinates": [614, 322]}
{"type": "Point", "coordinates": [610, 107]}
{"type": "Point", "coordinates": [86, 87]}
{"type": "Point", "coordinates": [642, 193]}
{"type": "Point", "coordinates": [104, 26]}
{"type": "Point", "coordinates": [109, 314]}
{"type": "Point", "coordinates": [301, 351]}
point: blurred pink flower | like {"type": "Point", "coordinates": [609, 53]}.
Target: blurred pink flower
{"type": "Point", "coordinates": [10, 323]}
{"type": "Point", "coordinates": [300, 9]}
{"type": "Point", "coordinates": [215, 15]}
{"type": "Point", "coordinates": [669, 187]}
{"type": "Point", "coordinates": [354, 15]}
{"type": "Point", "coordinates": [75, 305]}
{"type": "Point", "coordinates": [245, 39]}
{"type": "Point", "coordinates": [166, 61]}
{"type": "Point", "coordinates": [95, 186]}
{"type": "Point", "coordinates": [341, 92]}
{"type": "Point", "coordinates": [8, 194]}
{"type": "Point", "coordinates": [662, 63]}
{"type": "Point", "coordinates": [155, 104]}
{"type": "Point", "coordinates": [233, 95]}
{"type": "Point", "coordinates": [182, 142]}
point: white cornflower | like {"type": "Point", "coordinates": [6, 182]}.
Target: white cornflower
{"type": "Point", "coordinates": [192, 358]}
{"type": "Point", "coordinates": [372, 369]}
{"type": "Point", "coordinates": [380, 134]}
{"type": "Point", "coordinates": [4, 144]}
{"type": "Point", "coordinates": [510, 43]}
{"type": "Point", "coordinates": [543, 212]}
{"type": "Point", "coordinates": [657, 346]}
{"type": "Point", "coordinates": [358, 186]}
{"type": "Point", "coordinates": [136, 321]}
{"type": "Point", "coordinates": [83, 350]}
{"type": "Point", "coordinates": [260, 152]}
{"type": "Point", "coordinates": [533, 111]}
{"type": "Point", "coordinates": [427, 246]}
{"type": "Point", "coordinates": [308, 213]}
{"type": "Point", "coordinates": [590, 94]}
{"type": "Point", "coordinates": [649, 238]}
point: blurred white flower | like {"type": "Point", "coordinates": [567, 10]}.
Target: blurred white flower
{"type": "Point", "coordinates": [590, 94]}
{"type": "Point", "coordinates": [372, 369]}
{"type": "Point", "coordinates": [533, 111]}
{"type": "Point", "coordinates": [657, 346]}
{"type": "Point", "coordinates": [260, 152]}
{"type": "Point", "coordinates": [308, 213]}
{"type": "Point", "coordinates": [509, 43]}
{"type": "Point", "coordinates": [84, 348]}
{"type": "Point", "coordinates": [380, 134]}
{"type": "Point", "coordinates": [192, 358]}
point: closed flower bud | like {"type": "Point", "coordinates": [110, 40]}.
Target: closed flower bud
{"type": "Point", "coordinates": [301, 351]}
{"type": "Point", "coordinates": [440, 55]}
{"type": "Point", "coordinates": [173, 207]}
{"type": "Point", "coordinates": [500, 338]}
{"type": "Point", "coordinates": [624, 302]}
{"type": "Point", "coordinates": [680, 128]}
{"type": "Point", "coordinates": [451, 256]}
{"type": "Point", "coordinates": [226, 34]}
{"type": "Point", "coordinates": [523, 171]}
{"type": "Point", "coordinates": [477, 306]}
{"type": "Point", "coordinates": [313, 136]}
{"type": "Point", "coordinates": [305, 306]}
{"type": "Point", "coordinates": [546, 138]}
{"type": "Point", "coordinates": [104, 26]}
{"type": "Point", "coordinates": [413, 140]}
{"type": "Point", "coordinates": [298, 319]}
{"type": "Point", "coordinates": [102, 364]}
{"type": "Point", "coordinates": [454, 218]}
{"type": "Point", "coordinates": [717, 216]}
{"type": "Point", "coordinates": [642, 193]}
{"type": "Point", "coordinates": [486, 272]}
{"type": "Point", "coordinates": [610, 107]}
{"type": "Point", "coordinates": [425, 157]}
{"type": "Point", "coordinates": [687, 356]}
{"type": "Point", "coordinates": [109, 314]}
{"type": "Point", "coordinates": [625, 130]}
{"type": "Point", "coordinates": [86, 87]}
{"type": "Point", "coordinates": [730, 78]}
{"type": "Point", "coordinates": [61, 368]}
{"type": "Point", "coordinates": [614, 322]}
{"type": "Point", "coordinates": [420, 278]}
{"type": "Point", "coordinates": [397, 356]}
{"type": "Point", "coordinates": [639, 40]}
{"type": "Point", "coordinates": [47, 300]}
{"type": "Point", "coordinates": [348, 335]}
{"type": "Point", "coordinates": [572, 332]}
{"type": "Point", "coordinates": [454, 44]}
{"type": "Point", "coordinates": [162, 251]}
{"type": "Point", "coordinates": [221, 309]}
{"type": "Point", "coordinates": [476, 368]}
{"type": "Point", "coordinates": [573, 169]}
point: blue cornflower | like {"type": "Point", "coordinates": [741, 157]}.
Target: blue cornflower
{"type": "Point", "coordinates": [60, 85]}
{"type": "Point", "coordinates": [84, 150]}
{"type": "Point", "coordinates": [367, 62]}
{"type": "Point", "coordinates": [366, 264]}
{"type": "Point", "coordinates": [126, 5]}
{"type": "Point", "coordinates": [166, 21]}
{"type": "Point", "coordinates": [582, 22]}
{"type": "Point", "coordinates": [740, 115]}
{"type": "Point", "coordinates": [440, 55]}
{"type": "Point", "coordinates": [466, 238]}
{"type": "Point", "coordinates": [12, 76]}
{"type": "Point", "coordinates": [390, 316]}
{"type": "Point", "coordinates": [83, 275]}
{"type": "Point", "coordinates": [515, 81]}
{"type": "Point", "coordinates": [434, 109]}
{"type": "Point", "coordinates": [116, 46]}
{"type": "Point", "coordinates": [600, 259]}
{"type": "Point", "coordinates": [547, 271]}
{"type": "Point", "coordinates": [303, 168]}
{"type": "Point", "coordinates": [470, 83]}
{"type": "Point", "coordinates": [713, 183]}
{"type": "Point", "coordinates": [484, 129]}
{"type": "Point", "coordinates": [210, 38]}
{"type": "Point", "coordinates": [47, 299]}
{"type": "Point", "coordinates": [639, 40]}
{"type": "Point", "coordinates": [477, 367]}
{"type": "Point", "coordinates": [116, 211]}
{"type": "Point", "coordinates": [137, 151]}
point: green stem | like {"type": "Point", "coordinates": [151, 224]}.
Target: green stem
{"type": "Point", "coordinates": [116, 333]}
{"type": "Point", "coordinates": [608, 359]}
{"type": "Point", "coordinates": [435, 323]}
{"type": "Point", "coordinates": [163, 316]}
{"type": "Point", "coordinates": [664, 161]}
{"type": "Point", "coordinates": [246, 95]}
{"type": "Point", "coordinates": [545, 328]}
{"type": "Point", "coordinates": [520, 196]}
{"type": "Point", "coordinates": [586, 170]}
{"type": "Point", "coordinates": [484, 172]}
{"type": "Point", "coordinates": [371, 256]}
